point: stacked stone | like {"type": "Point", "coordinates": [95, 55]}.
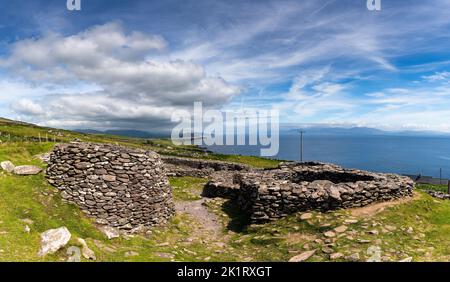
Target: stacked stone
{"type": "Point", "coordinates": [120, 187]}
{"type": "Point", "coordinates": [223, 184]}
{"type": "Point", "coordinates": [272, 194]}
{"type": "Point", "coordinates": [439, 195]}
{"type": "Point", "coordinates": [181, 167]}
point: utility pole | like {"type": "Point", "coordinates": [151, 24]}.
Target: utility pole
{"type": "Point", "coordinates": [301, 145]}
{"type": "Point", "coordinates": [440, 176]}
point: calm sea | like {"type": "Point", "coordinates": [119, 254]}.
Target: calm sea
{"type": "Point", "coordinates": [397, 154]}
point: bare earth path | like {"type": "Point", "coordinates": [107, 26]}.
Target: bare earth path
{"type": "Point", "coordinates": [209, 226]}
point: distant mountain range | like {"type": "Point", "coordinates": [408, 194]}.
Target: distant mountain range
{"type": "Point", "coordinates": [354, 131]}
{"type": "Point", "coordinates": [286, 129]}
{"type": "Point", "coordinates": [126, 133]}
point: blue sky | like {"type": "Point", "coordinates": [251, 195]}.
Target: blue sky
{"type": "Point", "coordinates": [130, 64]}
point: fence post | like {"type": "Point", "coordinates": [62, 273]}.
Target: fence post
{"type": "Point", "coordinates": [448, 190]}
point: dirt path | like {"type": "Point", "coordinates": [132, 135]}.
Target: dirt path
{"type": "Point", "coordinates": [209, 225]}
{"type": "Point", "coordinates": [379, 207]}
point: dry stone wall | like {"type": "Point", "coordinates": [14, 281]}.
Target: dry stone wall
{"type": "Point", "coordinates": [120, 187]}
{"type": "Point", "coordinates": [223, 185]}
{"type": "Point", "coordinates": [272, 194]}
{"type": "Point", "coordinates": [180, 167]}
{"type": "Point", "coordinates": [439, 195]}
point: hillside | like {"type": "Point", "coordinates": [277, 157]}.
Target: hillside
{"type": "Point", "coordinates": [207, 229]}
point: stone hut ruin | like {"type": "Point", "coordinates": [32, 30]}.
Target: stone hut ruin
{"type": "Point", "coordinates": [120, 187]}
{"type": "Point", "coordinates": [271, 194]}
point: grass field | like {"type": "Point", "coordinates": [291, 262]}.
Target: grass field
{"type": "Point", "coordinates": [440, 188]}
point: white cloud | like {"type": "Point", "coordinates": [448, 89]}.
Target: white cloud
{"type": "Point", "coordinates": [130, 84]}
{"type": "Point", "coordinates": [312, 95]}
{"type": "Point", "coordinates": [28, 107]}
{"type": "Point", "coordinates": [316, 95]}
{"type": "Point", "coordinates": [438, 76]}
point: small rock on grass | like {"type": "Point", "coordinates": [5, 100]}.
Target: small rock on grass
{"type": "Point", "coordinates": [374, 253]}
{"type": "Point", "coordinates": [54, 239]}
{"type": "Point", "coordinates": [74, 254]}
{"type": "Point", "coordinates": [165, 255]}
{"type": "Point", "coordinates": [306, 216]}
{"type": "Point", "coordinates": [27, 221]}
{"type": "Point", "coordinates": [406, 260]}
{"type": "Point", "coordinates": [302, 257]}
{"type": "Point", "coordinates": [390, 227]}
{"type": "Point", "coordinates": [336, 256]}
{"type": "Point", "coordinates": [110, 232]}
{"type": "Point", "coordinates": [353, 257]}
{"type": "Point", "coordinates": [86, 251]}
{"type": "Point", "coordinates": [351, 221]}
{"type": "Point", "coordinates": [7, 166]}
{"type": "Point", "coordinates": [329, 234]}
{"type": "Point", "coordinates": [341, 229]}
{"type": "Point", "coordinates": [27, 170]}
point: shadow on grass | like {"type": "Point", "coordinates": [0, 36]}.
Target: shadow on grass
{"type": "Point", "coordinates": [239, 219]}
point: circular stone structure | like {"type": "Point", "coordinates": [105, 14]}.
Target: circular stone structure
{"type": "Point", "coordinates": [296, 187]}
{"type": "Point", "coordinates": [120, 187]}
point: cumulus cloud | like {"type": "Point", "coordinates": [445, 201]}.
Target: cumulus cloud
{"type": "Point", "coordinates": [27, 107]}
{"type": "Point", "coordinates": [133, 85]}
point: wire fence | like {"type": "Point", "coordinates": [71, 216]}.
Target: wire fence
{"type": "Point", "coordinates": [6, 137]}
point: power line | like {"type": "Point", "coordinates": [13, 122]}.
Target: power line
{"type": "Point", "coordinates": [301, 144]}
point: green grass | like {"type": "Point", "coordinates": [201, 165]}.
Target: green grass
{"type": "Point", "coordinates": [187, 188]}
{"type": "Point", "coordinates": [24, 152]}
{"type": "Point", "coordinates": [248, 160]}
{"type": "Point", "coordinates": [30, 197]}
{"type": "Point", "coordinates": [440, 188]}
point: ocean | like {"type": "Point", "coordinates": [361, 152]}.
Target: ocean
{"type": "Point", "coordinates": [379, 153]}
